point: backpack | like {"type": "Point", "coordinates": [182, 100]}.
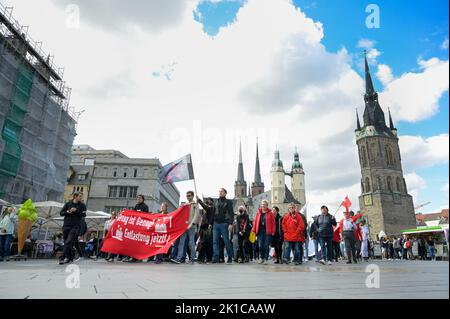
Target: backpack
{"type": "Point", "coordinates": [407, 244]}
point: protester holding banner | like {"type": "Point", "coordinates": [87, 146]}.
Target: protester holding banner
{"type": "Point", "coordinates": [141, 206]}
{"type": "Point", "coordinates": [163, 210]}
{"type": "Point", "coordinates": [73, 213]}
{"type": "Point", "coordinates": [264, 227]}
{"type": "Point", "coordinates": [189, 236]}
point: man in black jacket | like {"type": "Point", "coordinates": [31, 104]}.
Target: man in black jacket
{"type": "Point", "coordinates": [222, 225]}
{"type": "Point", "coordinates": [325, 223]}
{"type": "Point", "coordinates": [277, 240]}
{"type": "Point", "coordinates": [73, 213]}
{"type": "Point", "coordinates": [141, 206]}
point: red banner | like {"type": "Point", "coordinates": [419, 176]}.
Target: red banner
{"type": "Point", "coordinates": [142, 235]}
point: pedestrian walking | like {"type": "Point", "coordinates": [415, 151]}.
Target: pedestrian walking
{"type": "Point", "coordinates": [264, 228]}
{"type": "Point", "coordinates": [325, 222]}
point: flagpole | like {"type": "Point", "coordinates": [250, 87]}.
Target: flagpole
{"type": "Point", "coordinates": [195, 184]}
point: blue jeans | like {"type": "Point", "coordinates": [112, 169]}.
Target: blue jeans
{"type": "Point", "coordinates": [174, 252]}
{"type": "Point", "coordinates": [189, 235]}
{"type": "Point", "coordinates": [264, 241]}
{"type": "Point", "coordinates": [292, 245]}
{"type": "Point", "coordinates": [218, 231]}
{"type": "Point", "coordinates": [5, 246]}
{"type": "Point", "coordinates": [305, 250]}
{"type": "Point", "coordinates": [432, 251]}
{"type": "Point", "coordinates": [316, 249]}
{"type": "Point", "coordinates": [326, 245]}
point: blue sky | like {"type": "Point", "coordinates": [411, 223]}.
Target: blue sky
{"type": "Point", "coordinates": [409, 31]}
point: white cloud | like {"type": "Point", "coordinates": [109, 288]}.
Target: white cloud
{"type": "Point", "coordinates": [372, 52]}
{"type": "Point", "coordinates": [384, 74]}
{"type": "Point", "coordinates": [365, 44]}
{"type": "Point", "coordinates": [415, 184]}
{"type": "Point", "coordinates": [419, 152]}
{"type": "Point", "coordinates": [415, 96]}
{"type": "Point", "coordinates": [118, 15]}
{"type": "Point", "coordinates": [271, 58]}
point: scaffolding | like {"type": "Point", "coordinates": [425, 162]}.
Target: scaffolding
{"type": "Point", "coordinates": [37, 124]}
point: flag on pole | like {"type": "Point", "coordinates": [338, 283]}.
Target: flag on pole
{"type": "Point", "coordinates": [177, 171]}
{"type": "Point", "coordinates": [303, 210]}
{"type": "Point", "coordinates": [346, 203]}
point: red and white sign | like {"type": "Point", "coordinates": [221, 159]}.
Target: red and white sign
{"type": "Point", "coordinates": [142, 235]}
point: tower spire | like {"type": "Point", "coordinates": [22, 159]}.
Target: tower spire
{"type": "Point", "coordinates": [358, 123]}
{"type": "Point", "coordinates": [257, 185]}
{"type": "Point", "coordinates": [369, 84]}
{"type": "Point", "coordinates": [391, 122]}
{"type": "Point", "coordinates": [240, 174]}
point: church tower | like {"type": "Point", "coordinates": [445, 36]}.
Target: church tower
{"type": "Point", "coordinates": [257, 185]}
{"type": "Point", "coordinates": [277, 179]}
{"type": "Point", "coordinates": [240, 186]}
{"type": "Point", "coordinates": [298, 180]}
{"type": "Point", "coordinates": [384, 197]}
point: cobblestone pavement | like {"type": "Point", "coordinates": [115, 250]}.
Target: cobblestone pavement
{"type": "Point", "coordinates": [37, 279]}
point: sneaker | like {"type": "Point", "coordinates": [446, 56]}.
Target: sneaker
{"type": "Point", "coordinates": [110, 260]}
{"type": "Point", "coordinates": [322, 262]}
{"type": "Point", "coordinates": [175, 261]}
{"type": "Point", "coordinates": [265, 262]}
{"type": "Point", "coordinates": [120, 259]}
{"type": "Point", "coordinates": [158, 261]}
{"type": "Point", "coordinates": [330, 263]}
{"type": "Point", "coordinates": [229, 261]}
{"type": "Point", "coordinates": [349, 262]}
{"type": "Point", "coordinates": [65, 261]}
{"type": "Point", "coordinates": [261, 261]}
{"type": "Point", "coordinates": [78, 259]}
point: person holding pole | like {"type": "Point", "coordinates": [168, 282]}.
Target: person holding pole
{"type": "Point", "coordinates": [195, 219]}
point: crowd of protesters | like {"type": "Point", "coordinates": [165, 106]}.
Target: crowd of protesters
{"type": "Point", "coordinates": [216, 234]}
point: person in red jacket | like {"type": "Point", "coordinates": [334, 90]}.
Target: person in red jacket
{"type": "Point", "coordinates": [293, 227]}
{"type": "Point", "coordinates": [336, 243]}
{"type": "Point", "coordinates": [264, 227]}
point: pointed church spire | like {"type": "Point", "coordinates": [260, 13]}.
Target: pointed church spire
{"type": "Point", "coordinates": [257, 167]}
{"type": "Point", "coordinates": [369, 84]}
{"type": "Point", "coordinates": [358, 123]}
{"type": "Point", "coordinates": [391, 122]}
{"type": "Point", "coordinates": [240, 175]}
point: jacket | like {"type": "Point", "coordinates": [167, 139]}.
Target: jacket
{"type": "Point", "coordinates": [325, 225]}
{"type": "Point", "coordinates": [313, 230]}
{"type": "Point", "coordinates": [141, 207]}
{"type": "Point", "coordinates": [7, 224]}
{"type": "Point", "coordinates": [223, 211]}
{"type": "Point", "coordinates": [75, 218]}
{"type": "Point", "coordinates": [270, 222]}
{"type": "Point", "coordinates": [238, 222]}
{"type": "Point", "coordinates": [195, 217]}
{"type": "Point", "coordinates": [293, 228]}
{"type": "Point", "coordinates": [279, 235]}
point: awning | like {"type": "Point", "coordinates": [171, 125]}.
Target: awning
{"type": "Point", "coordinates": [424, 229]}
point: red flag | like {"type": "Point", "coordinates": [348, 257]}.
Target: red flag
{"type": "Point", "coordinates": [346, 203]}
{"type": "Point", "coordinates": [142, 235]}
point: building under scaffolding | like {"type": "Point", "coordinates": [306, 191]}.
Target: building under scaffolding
{"type": "Point", "coordinates": [36, 124]}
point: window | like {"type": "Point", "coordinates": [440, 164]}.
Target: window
{"type": "Point", "coordinates": [81, 177]}
{"type": "Point", "coordinates": [135, 172]}
{"type": "Point", "coordinates": [105, 171]}
{"type": "Point", "coordinates": [74, 189]}
{"type": "Point", "coordinates": [115, 172]}
{"type": "Point", "coordinates": [389, 183]}
{"type": "Point", "coordinates": [368, 189]}
{"type": "Point", "coordinates": [389, 157]}
{"type": "Point", "coordinates": [380, 185]}
{"type": "Point", "coordinates": [82, 189]}
{"type": "Point", "coordinates": [132, 192]}
{"type": "Point", "coordinates": [113, 191]}
{"type": "Point", "coordinates": [123, 191]}
{"type": "Point", "coordinates": [363, 156]}
{"type": "Point", "coordinates": [399, 185]}
{"type": "Point", "coordinates": [125, 172]}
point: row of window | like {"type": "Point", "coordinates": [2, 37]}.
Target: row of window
{"type": "Point", "coordinates": [374, 153]}
{"type": "Point", "coordinates": [122, 191]}
{"type": "Point", "coordinates": [367, 186]}
{"type": "Point", "coordinates": [122, 172]}
{"type": "Point", "coordinates": [78, 189]}
{"type": "Point", "coordinates": [117, 209]}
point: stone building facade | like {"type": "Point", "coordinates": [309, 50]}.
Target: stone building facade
{"type": "Point", "coordinates": [384, 195]}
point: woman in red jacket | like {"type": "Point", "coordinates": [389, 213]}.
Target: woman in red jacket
{"type": "Point", "coordinates": [264, 227]}
{"type": "Point", "coordinates": [293, 227]}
